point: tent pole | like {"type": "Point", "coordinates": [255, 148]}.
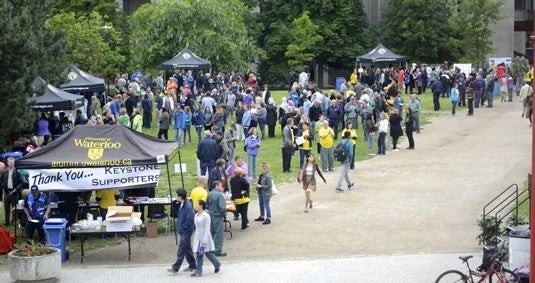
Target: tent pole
{"type": "Point", "coordinates": [181, 174]}
{"type": "Point", "coordinates": [170, 195]}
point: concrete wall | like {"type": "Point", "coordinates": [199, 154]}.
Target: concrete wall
{"type": "Point", "coordinates": [503, 32]}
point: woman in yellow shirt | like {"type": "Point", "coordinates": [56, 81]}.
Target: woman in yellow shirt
{"type": "Point", "coordinates": [306, 146]}
{"type": "Point", "coordinates": [353, 140]}
{"type": "Point", "coordinates": [353, 79]}
{"type": "Point", "coordinates": [105, 199]}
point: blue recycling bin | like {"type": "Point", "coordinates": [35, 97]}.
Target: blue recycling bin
{"type": "Point", "coordinates": [55, 235]}
{"type": "Point", "coordinates": [339, 81]}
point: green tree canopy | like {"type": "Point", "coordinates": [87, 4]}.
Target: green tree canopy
{"type": "Point", "coordinates": [27, 51]}
{"type": "Point", "coordinates": [304, 39]}
{"type": "Point", "coordinates": [213, 29]}
{"type": "Point", "coordinates": [88, 42]}
{"type": "Point", "coordinates": [419, 30]}
{"type": "Point", "coordinates": [471, 27]}
{"type": "Point", "coordinates": [343, 25]}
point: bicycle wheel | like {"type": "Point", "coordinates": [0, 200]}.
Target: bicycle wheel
{"type": "Point", "coordinates": [452, 276]}
{"type": "Point", "coordinates": [508, 275]}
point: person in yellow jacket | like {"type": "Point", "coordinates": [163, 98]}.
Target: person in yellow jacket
{"type": "Point", "coordinates": [199, 192]}
{"type": "Point", "coordinates": [528, 76]}
{"type": "Point", "coordinates": [354, 78]}
{"type": "Point", "coordinates": [137, 121]}
{"type": "Point", "coordinates": [353, 140]}
{"type": "Point", "coordinates": [326, 135]}
{"type": "Point", "coordinates": [304, 141]}
{"type": "Point", "coordinates": [105, 199]}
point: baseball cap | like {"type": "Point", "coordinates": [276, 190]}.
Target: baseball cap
{"type": "Point", "coordinates": [34, 188]}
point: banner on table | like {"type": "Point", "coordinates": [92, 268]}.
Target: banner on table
{"type": "Point", "coordinates": [81, 179]}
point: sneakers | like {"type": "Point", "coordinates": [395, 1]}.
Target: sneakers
{"type": "Point", "coordinates": [195, 274]}
{"type": "Point", "coordinates": [350, 186]}
{"type": "Point", "coordinates": [243, 230]}
{"type": "Point", "coordinates": [220, 255]}
{"type": "Point", "coordinates": [172, 270]}
{"type": "Point", "coordinates": [260, 219]}
{"type": "Point", "coordinates": [189, 269]}
{"type": "Point", "coordinates": [217, 270]}
{"type": "Point", "coordinates": [268, 221]}
{"type": "Point", "coordinates": [395, 149]}
{"type": "Point", "coordinates": [236, 218]}
{"type": "Point", "coordinates": [338, 190]}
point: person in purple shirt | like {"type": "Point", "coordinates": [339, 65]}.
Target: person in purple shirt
{"type": "Point", "coordinates": [238, 162]}
{"type": "Point", "coordinates": [252, 146]}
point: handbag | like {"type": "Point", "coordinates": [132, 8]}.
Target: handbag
{"type": "Point", "coordinates": [301, 176]}
{"type": "Point", "coordinates": [274, 189]}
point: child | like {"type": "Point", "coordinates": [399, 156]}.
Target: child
{"type": "Point", "coordinates": [383, 130]}
{"type": "Point", "coordinates": [372, 129]}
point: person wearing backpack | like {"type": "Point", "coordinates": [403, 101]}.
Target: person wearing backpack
{"type": "Point", "coordinates": [348, 156]}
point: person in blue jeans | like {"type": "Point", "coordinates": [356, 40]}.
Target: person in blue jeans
{"type": "Point", "coordinates": [185, 227]}
{"type": "Point", "coordinates": [344, 169]}
{"type": "Point", "coordinates": [252, 146]}
{"type": "Point", "coordinates": [383, 130]}
{"type": "Point", "coordinates": [203, 244]}
{"type": "Point", "coordinates": [264, 187]}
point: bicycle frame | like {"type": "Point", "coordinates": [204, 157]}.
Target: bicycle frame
{"type": "Point", "coordinates": [492, 270]}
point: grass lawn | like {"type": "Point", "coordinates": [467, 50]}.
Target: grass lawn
{"type": "Point", "coordinates": [270, 152]}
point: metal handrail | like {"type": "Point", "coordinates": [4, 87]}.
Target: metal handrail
{"type": "Point", "coordinates": [515, 192]}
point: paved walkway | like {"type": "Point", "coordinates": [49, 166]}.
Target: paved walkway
{"type": "Point", "coordinates": [416, 268]}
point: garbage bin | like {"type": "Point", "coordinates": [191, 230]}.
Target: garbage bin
{"type": "Point", "coordinates": [519, 246]}
{"type": "Point", "coordinates": [339, 81]}
{"type": "Point", "coordinates": [55, 235]}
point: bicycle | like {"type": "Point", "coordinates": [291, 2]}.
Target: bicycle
{"type": "Point", "coordinates": [491, 269]}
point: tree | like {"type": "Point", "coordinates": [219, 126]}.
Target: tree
{"type": "Point", "coordinates": [519, 67]}
{"type": "Point", "coordinates": [343, 25]}
{"type": "Point", "coordinates": [88, 42]}
{"type": "Point", "coordinates": [27, 51]}
{"type": "Point", "coordinates": [419, 30]}
{"type": "Point", "coordinates": [304, 38]}
{"type": "Point", "coordinates": [213, 29]}
{"type": "Point", "coordinates": [470, 25]}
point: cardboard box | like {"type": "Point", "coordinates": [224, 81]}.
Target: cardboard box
{"type": "Point", "coordinates": [119, 218]}
{"type": "Point", "coordinates": [152, 229]}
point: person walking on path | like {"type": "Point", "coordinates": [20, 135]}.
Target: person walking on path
{"type": "Point", "coordinates": [344, 169]}
{"type": "Point", "coordinates": [326, 135]}
{"type": "Point", "coordinates": [352, 139]}
{"type": "Point", "coordinates": [409, 128]}
{"type": "Point", "coordinates": [454, 98]}
{"type": "Point", "coordinates": [217, 208]}
{"type": "Point", "coordinates": [203, 244]}
{"type": "Point", "coordinates": [395, 128]}
{"type": "Point", "coordinates": [307, 176]}
{"type": "Point", "coordinates": [185, 230]}
{"type": "Point", "coordinates": [264, 188]}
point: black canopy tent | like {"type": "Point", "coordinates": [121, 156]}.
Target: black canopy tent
{"type": "Point", "coordinates": [80, 81]}
{"type": "Point", "coordinates": [186, 60]}
{"type": "Point", "coordinates": [104, 147]}
{"type": "Point", "coordinates": [54, 99]}
{"type": "Point", "coordinates": [380, 54]}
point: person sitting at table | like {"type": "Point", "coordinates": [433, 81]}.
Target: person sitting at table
{"type": "Point", "coordinates": [217, 208]}
{"type": "Point", "coordinates": [240, 195]}
{"type": "Point", "coordinates": [200, 191]}
{"type": "Point", "coordinates": [105, 199]}
{"type": "Point", "coordinates": [37, 209]}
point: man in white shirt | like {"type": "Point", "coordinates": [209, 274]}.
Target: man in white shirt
{"type": "Point", "coordinates": [303, 78]}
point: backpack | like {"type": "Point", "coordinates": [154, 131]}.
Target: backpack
{"type": "Point", "coordinates": [7, 241]}
{"type": "Point", "coordinates": [340, 151]}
